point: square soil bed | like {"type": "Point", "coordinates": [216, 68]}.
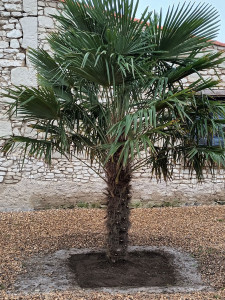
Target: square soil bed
{"type": "Point", "coordinates": [140, 269]}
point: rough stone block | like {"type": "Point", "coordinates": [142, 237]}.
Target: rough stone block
{"type": "Point", "coordinates": [5, 128]}
{"type": "Point", "coordinates": [14, 43]}
{"type": "Point", "coordinates": [8, 26]}
{"type": "Point", "coordinates": [222, 65]}
{"type": "Point", "coordinates": [2, 33]}
{"type": "Point", "coordinates": [4, 44]}
{"type": "Point", "coordinates": [16, 14]}
{"type": "Point", "coordinates": [15, 33]}
{"type": "Point", "coordinates": [5, 14]}
{"type": "Point", "coordinates": [30, 7]}
{"type": "Point", "coordinates": [11, 63]}
{"type": "Point", "coordinates": [18, 26]}
{"type": "Point", "coordinates": [23, 76]}
{"type": "Point", "coordinates": [12, 7]}
{"type": "Point", "coordinates": [12, 1]}
{"type": "Point", "coordinates": [3, 168]}
{"type": "Point", "coordinates": [29, 27]}
{"type": "Point", "coordinates": [45, 22]}
{"type": "Point", "coordinates": [14, 51]}
{"type": "Point", "coordinates": [20, 56]}
{"type": "Point", "coordinates": [6, 100]}
{"type": "Point", "coordinates": [50, 11]}
{"type": "Point", "coordinates": [7, 163]}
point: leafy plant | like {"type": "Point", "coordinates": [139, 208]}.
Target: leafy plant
{"type": "Point", "coordinates": [82, 205]}
{"type": "Point", "coordinates": [112, 89]}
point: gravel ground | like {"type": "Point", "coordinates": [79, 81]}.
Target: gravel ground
{"type": "Point", "coordinates": [196, 230]}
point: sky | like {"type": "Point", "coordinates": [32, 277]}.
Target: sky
{"type": "Point", "coordinates": [164, 4]}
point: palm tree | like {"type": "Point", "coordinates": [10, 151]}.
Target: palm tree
{"type": "Point", "coordinates": [112, 88]}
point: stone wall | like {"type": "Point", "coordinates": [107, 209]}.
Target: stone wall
{"type": "Point", "coordinates": [24, 24]}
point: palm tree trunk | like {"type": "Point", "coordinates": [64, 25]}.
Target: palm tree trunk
{"type": "Point", "coordinates": [118, 198]}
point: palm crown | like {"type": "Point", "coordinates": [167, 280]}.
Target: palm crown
{"type": "Point", "coordinates": [112, 88]}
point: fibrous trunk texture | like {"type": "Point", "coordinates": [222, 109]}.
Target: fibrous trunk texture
{"type": "Point", "coordinates": [118, 198]}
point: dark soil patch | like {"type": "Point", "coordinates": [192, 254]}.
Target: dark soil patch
{"type": "Point", "coordinates": [140, 269]}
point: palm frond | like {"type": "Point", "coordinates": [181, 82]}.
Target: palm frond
{"type": "Point", "coordinates": [33, 104]}
{"type": "Point", "coordinates": [186, 28]}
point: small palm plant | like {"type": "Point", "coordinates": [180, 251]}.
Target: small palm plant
{"type": "Point", "coordinates": [112, 88]}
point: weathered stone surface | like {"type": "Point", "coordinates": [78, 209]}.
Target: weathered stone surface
{"type": "Point", "coordinates": [50, 11]}
{"type": "Point", "coordinates": [6, 100]}
{"type": "Point", "coordinates": [23, 76]}
{"type": "Point", "coordinates": [7, 163]}
{"type": "Point", "coordinates": [41, 3]}
{"type": "Point", "coordinates": [8, 26]}
{"type": "Point", "coordinates": [222, 78]}
{"type": "Point", "coordinates": [21, 56]}
{"type": "Point", "coordinates": [12, 1]}
{"type": "Point", "coordinates": [30, 7]}
{"type": "Point", "coordinates": [4, 44]}
{"type": "Point", "coordinates": [14, 43]}
{"type": "Point", "coordinates": [45, 22]}
{"type": "Point", "coordinates": [11, 51]}
{"type": "Point", "coordinates": [5, 128]}
{"type": "Point", "coordinates": [18, 26]}
{"type": "Point", "coordinates": [12, 7]}
{"type": "Point", "coordinates": [30, 35]}
{"type": "Point", "coordinates": [5, 14]}
{"type": "Point", "coordinates": [17, 14]}
{"type": "Point", "coordinates": [15, 33]}
{"type": "Point", "coordinates": [44, 194]}
{"type": "Point", "coordinates": [11, 63]}
{"type": "Point", "coordinates": [13, 20]}
{"type": "Point", "coordinates": [222, 65]}
{"type": "Point", "coordinates": [2, 33]}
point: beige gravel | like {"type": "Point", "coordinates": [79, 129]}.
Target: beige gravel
{"type": "Point", "coordinates": [197, 230]}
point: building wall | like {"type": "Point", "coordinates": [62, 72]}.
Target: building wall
{"type": "Point", "coordinates": [24, 24]}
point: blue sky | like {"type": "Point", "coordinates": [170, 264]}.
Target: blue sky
{"type": "Point", "coordinates": [164, 4]}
